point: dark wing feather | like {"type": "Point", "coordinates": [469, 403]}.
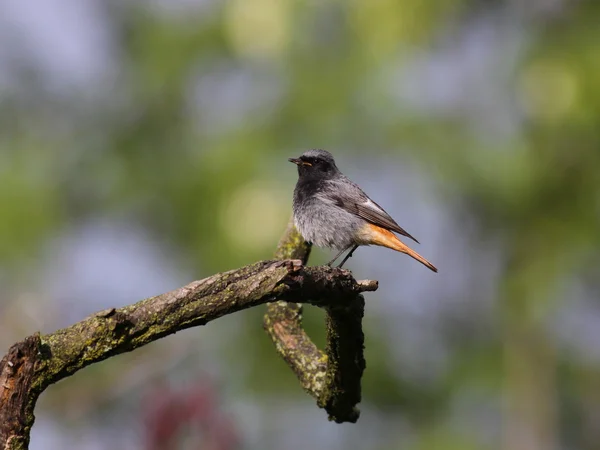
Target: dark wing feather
{"type": "Point", "coordinates": [357, 202]}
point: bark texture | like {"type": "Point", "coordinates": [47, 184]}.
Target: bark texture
{"type": "Point", "coordinates": [333, 377]}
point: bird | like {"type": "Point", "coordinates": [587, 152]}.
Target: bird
{"type": "Point", "coordinates": [332, 211]}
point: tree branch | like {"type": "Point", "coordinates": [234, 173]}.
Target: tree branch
{"type": "Point", "coordinates": [333, 377]}
{"type": "Point", "coordinates": [32, 365]}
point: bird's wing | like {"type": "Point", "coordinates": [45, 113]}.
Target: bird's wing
{"type": "Point", "coordinates": [355, 201]}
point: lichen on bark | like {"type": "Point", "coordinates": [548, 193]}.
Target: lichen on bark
{"type": "Point", "coordinates": [332, 377]}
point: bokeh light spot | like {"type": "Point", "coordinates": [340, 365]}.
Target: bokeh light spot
{"type": "Point", "coordinates": [549, 90]}
{"type": "Point", "coordinates": [258, 28]}
{"type": "Point", "coordinates": [255, 216]}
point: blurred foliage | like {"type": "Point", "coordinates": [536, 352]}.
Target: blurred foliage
{"type": "Point", "coordinates": [186, 136]}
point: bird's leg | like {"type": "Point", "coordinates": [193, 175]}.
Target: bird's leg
{"type": "Point", "coordinates": [337, 256]}
{"type": "Point", "coordinates": [349, 255]}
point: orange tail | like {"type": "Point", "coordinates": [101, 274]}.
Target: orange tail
{"type": "Point", "coordinates": [374, 235]}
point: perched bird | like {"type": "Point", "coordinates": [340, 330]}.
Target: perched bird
{"type": "Point", "coordinates": [332, 211]}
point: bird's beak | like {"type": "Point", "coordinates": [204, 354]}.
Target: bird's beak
{"type": "Point", "coordinates": [298, 162]}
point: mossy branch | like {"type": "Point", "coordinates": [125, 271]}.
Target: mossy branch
{"type": "Point", "coordinates": [32, 365]}
{"type": "Point", "coordinates": [332, 377]}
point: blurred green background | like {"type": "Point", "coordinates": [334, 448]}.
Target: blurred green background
{"type": "Point", "coordinates": [144, 144]}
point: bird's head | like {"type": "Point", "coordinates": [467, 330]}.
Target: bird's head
{"type": "Point", "coordinates": [315, 163]}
